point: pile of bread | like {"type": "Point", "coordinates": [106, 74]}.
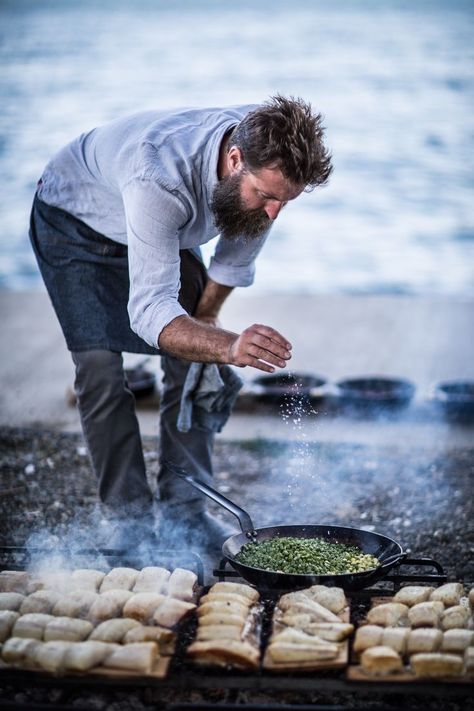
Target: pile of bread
{"type": "Point", "coordinates": [308, 627]}
{"type": "Point", "coordinates": [426, 631]}
{"type": "Point", "coordinates": [82, 619]}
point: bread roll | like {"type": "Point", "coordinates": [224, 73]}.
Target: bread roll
{"type": "Point", "coordinates": [75, 604]}
{"type": "Point", "coordinates": [455, 616]}
{"type": "Point", "coordinates": [142, 606]}
{"type": "Point", "coordinates": [218, 632]}
{"type": "Point", "coordinates": [228, 598]}
{"type": "Point", "coordinates": [298, 601]}
{"type": "Point", "coordinates": [171, 611]}
{"type": "Point", "coordinates": [330, 631]}
{"type": "Point", "coordinates": [119, 579]}
{"type": "Point", "coordinates": [238, 588]}
{"type": "Point", "coordinates": [224, 652]}
{"type": "Point", "coordinates": [67, 629]}
{"type": "Point", "coordinates": [294, 636]}
{"type": "Point", "coordinates": [40, 601]}
{"type": "Point", "coordinates": [7, 620]}
{"type": "Point", "coordinates": [389, 614]}
{"type": "Point", "coordinates": [19, 650]}
{"type": "Point", "coordinates": [31, 625]}
{"type": "Point", "coordinates": [368, 636]}
{"type": "Point", "coordinates": [218, 618]}
{"type": "Point", "coordinates": [381, 660]}
{"type": "Point", "coordinates": [223, 608]}
{"type": "Point", "coordinates": [413, 594]}
{"type": "Point", "coordinates": [87, 579]}
{"type": "Point", "coordinates": [152, 579]}
{"type": "Point", "coordinates": [449, 594]}
{"type": "Point", "coordinates": [294, 652]}
{"type": "Point", "coordinates": [51, 655]}
{"type": "Point", "coordinates": [471, 597]}
{"type": "Point", "coordinates": [181, 584]}
{"type": "Point", "coordinates": [11, 600]}
{"type": "Point", "coordinates": [133, 657]}
{"type": "Point", "coordinates": [396, 638]}
{"type": "Point", "coordinates": [457, 640]}
{"type": "Point", "coordinates": [86, 655]}
{"type": "Point", "coordinates": [426, 614]}
{"type": "Point", "coordinates": [469, 660]}
{"type": "Point", "coordinates": [57, 580]}
{"type": "Point", "coordinates": [424, 640]}
{"type": "Point", "coordinates": [108, 605]}
{"type": "Point", "coordinates": [113, 630]}
{"type": "Point", "coordinates": [160, 635]}
{"type": "Point", "coordinates": [333, 599]}
{"type": "Point", "coordinates": [18, 581]}
{"type": "Point", "coordinates": [436, 665]}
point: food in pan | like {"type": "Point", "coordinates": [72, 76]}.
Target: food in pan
{"type": "Point", "coordinates": [75, 604]}
{"type": "Point", "coordinates": [108, 604]}
{"type": "Point", "coordinates": [381, 660]}
{"type": "Point", "coordinates": [40, 601]}
{"type": "Point", "coordinates": [119, 579]}
{"type": "Point", "coordinates": [67, 629]}
{"type": "Point", "coordinates": [87, 579]}
{"type": "Point", "coordinates": [113, 630]}
{"type": "Point", "coordinates": [7, 620]}
{"type": "Point", "coordinates": [426, 614]}
{"type": "Point", "coordinates": [389, 614]}
{"type": "Point", "coordinates": [436, 665]}
{"type": "Point", "coordinates": [152, 579]}
{"type": "Point", "coordinates": [181, 584]}
{"type": "Point", "coordinates": [449, 594]}
{"type": "Point", "coordinates": [457, 640]}
{"type": "Point", "coordinates": [142, 606]}
{"type": "Point", "coordinates": [31, 625]}
{"type": "Point", "coordinates": [413, 594]}
{"type": "Point", "coordinates": [424, 639]}
{"type": "Point", "coordinates": [11, 600]}
{"type": "Point", "coordinates": [133, 657]}
{"type": "Point", "coordinates": [83, 656]}
{"type": "Point", "coordinates": [172, 611]}
{"type": "Point", "coordinates": [309, 556]}
{"type": "Point", "coordinates": [224, 652]}
{"type": "Point", "coordinates": [19, 650]}
{"type": "Point", "coordinates": [455, 616]}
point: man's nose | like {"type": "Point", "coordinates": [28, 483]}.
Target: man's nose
{"type": "Point", "coordinates": [272, 208]}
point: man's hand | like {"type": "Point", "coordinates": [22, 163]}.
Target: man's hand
{"type": "Point", "coordinates": [260, 347]}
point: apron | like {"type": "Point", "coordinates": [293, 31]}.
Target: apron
{"type": "Point", "coordinates": [86, 275]}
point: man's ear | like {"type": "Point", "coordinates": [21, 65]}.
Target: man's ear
{"type": "Point", "coordinates": [235, 162]}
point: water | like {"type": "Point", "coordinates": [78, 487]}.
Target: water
{"type": "Point", "coordinates": [394, 81]}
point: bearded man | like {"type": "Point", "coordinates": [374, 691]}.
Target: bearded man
{"type": "Point", "coordinates": [117, 222]}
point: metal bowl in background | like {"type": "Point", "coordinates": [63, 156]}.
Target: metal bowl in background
{"type": "Point", "coordinates": [140, 381]}
{"type": "Point", "coordinates": [375, 394]}
{"type": "Point", "coordinates": [456, 399]}
{"type": "Point", "coordinates": [288, 387]}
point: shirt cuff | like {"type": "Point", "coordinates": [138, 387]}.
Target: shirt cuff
{"type": "Point", "coordinates": [231, 275]}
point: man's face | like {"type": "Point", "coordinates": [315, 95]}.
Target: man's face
{"type": "Point", "coordinates": [245, 204]}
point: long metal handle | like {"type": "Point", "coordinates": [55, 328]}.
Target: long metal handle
{"type": "Point", "coordinates": [244, 519]}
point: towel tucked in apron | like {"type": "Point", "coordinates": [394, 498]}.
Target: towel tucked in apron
{"type": "Point", "coordinates": [86, 275]}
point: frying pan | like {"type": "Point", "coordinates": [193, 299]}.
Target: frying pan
{"type": "Point", "coordinates": [388, 551]}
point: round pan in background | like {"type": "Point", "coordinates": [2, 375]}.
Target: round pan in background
{"type": "Point", "coordinates": [140, 381]}
{"type": "Point", "coordinates": [374, 393]}
{"type": "Point", "coordinates": [284, 387]}
{"type": "Point", "coordinates": [456, 399]}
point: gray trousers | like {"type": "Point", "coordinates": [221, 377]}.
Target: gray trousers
{"type": "Point", "coordinates": [111, 430]}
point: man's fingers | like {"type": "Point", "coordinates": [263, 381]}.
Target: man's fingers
{"type": "Point", "coordinates": [267, 345]}
{"type": "Point", "coordinates": [263, 354]}
{"type": "Point", "coordinates": [270, 333]}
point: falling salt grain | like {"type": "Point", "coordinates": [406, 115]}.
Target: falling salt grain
{"type": "Point", "coordinates": [30, 469]}
{"type": "Point", "coordinates": [81, 451]}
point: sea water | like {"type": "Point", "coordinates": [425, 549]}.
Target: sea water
{"type": "Point", "coordinates": [393, 79]}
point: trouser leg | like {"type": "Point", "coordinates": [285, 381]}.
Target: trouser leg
{"type": "Point", "coordinates": [190, 450]}
{"type": "Point", "coordinates": [111, 431]}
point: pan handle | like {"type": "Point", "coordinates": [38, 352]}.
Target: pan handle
{"type": "Point", "coordinates": [244, 519]}
{"type": "Point", "coordinates": [393, 559]}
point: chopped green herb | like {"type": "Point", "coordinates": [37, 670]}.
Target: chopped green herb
{"type": "Point", "coordinates": [307, 556]}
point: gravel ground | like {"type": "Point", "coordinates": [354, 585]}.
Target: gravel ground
{"type": "Point", "coordinates": [423, 500]}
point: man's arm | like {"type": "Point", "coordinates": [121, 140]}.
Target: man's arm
{"type": "Point", "coordinates": [211, 301]}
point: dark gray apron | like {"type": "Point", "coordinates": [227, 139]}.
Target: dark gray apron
{"type": "Point", "coordinates": [86, 275]}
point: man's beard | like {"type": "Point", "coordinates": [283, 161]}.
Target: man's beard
{"type": "Point", "coordinates": [232, 219]}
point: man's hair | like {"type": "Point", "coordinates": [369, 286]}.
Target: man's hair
{"type": "Point", "coordinates": [284, 133]}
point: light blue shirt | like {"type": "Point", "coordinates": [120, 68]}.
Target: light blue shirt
{"type": "Point", "coordinates": [147, 180]}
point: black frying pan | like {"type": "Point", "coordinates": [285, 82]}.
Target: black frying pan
{"type": "Point", "coordinates": [388, 551]}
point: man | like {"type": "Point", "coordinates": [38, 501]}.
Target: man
{"type": "Point", "coordinates": [116, 226]}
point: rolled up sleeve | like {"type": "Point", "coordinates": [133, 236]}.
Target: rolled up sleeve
{"type": "Point", "coordinates": [153, 217]}
{"type": "Point", "coordinates": [233, 263]}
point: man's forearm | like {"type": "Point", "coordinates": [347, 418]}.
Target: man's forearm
{"type": "Point", "coordinates": [211, 300]}
{"type": "Point", "coordinates": [188, 338]}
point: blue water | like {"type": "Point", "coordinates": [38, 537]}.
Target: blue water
{"type": "Point", "coordinates": [393, 79]}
